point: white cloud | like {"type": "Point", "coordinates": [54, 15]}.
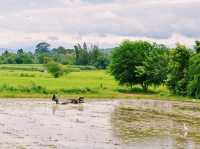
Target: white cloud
{"type": "Point", "coordinates": [105, 22]}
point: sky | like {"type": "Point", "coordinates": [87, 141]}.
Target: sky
{"type": "Point", "coordinates": [24, 23]}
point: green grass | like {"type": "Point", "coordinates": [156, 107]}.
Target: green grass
{"type": "Point", "coordinates": [88, 83]}
{"type": "Point", "coordinates": [20, 83]}
{"type": "Point", "coordinates": [25, 67]}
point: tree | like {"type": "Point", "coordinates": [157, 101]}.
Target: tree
{"type": "Point", "coordinates": [42, 52]}
{"type": "Point", "coordinates": [24, 57]}
{"type": "Point", "coordinates": [63, 56]}
{"type": "Point", "coordinates": [43, 58]}
{"type": "Point", "coordinates": [55, 69]}
{"type": "Point", "coordinates": [85, 46]}
{"type": "Point", "coordinates": [126, 59]}
{"type": "Point", "coordinates": [82, 56]}
{"type": "Point", "coordinates": [102, 61]}
{"type": "Point", "coordinates": [77, 54]}
{"type": "Point", "coordinates": [94, 54]}
{"type": "Point", "coordinates": [42, 47]}
{"type": "Point", "coordinates": [62, 50]}
{"type": "Point", "coordinates": [20, 51]}
{"type": "Point", "coordinates": [8, 57]}
{"type": "Point", "coordinates": [197, 46]}
{"type": "Point", "coordinates": [155, 67]}
{"type": "Point", "coordinates": [193, 88]}
{"type": "Point", "coordinates": [178, 68]}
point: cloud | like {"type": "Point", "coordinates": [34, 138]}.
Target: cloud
{"type": "Point", "coordinates": [104, 22]}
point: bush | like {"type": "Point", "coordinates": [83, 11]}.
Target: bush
{"type": "Point", "coordinates": [55, 69]}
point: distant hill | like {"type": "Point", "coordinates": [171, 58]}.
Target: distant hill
{"type": "Point", "coordinates": [4, 49]}
{"type": "Point", "coordinates": [107, 50]}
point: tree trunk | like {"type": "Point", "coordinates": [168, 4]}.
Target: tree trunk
{"type": "Point", "coordinates": [145, 87]}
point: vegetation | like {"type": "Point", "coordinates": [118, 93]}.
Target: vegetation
{"type": "Point", "coordinates": [92, 83]}
{"type": "Point", "coordinates": [178, 68]}
{"type": "Point", "coordinates": [193, 88]}
{"type": "Point", "coordinates": [55, 69]}
{"type": "Point", "coordinates": [139, 62]}
{"type": "Point", "coordinates": [151, 66]}
{"type": "Point", "coordinates": [80, 55]}
{"type": "Point", "coordinates": [88, 83]}
{"type": "Point", "coordinates": [146, 64]}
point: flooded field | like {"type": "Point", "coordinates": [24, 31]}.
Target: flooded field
{"type": "Point", "coordinates": [44, 125]}
{"type": "Point", "coordinates": [158, 124]}
{"type": "Point", "coordinates": [136, 124]}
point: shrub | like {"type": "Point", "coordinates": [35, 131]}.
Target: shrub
{"type": "Point", "coordinates": [55, 69]}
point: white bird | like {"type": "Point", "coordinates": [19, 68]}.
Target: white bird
{"type": "Point", "coordinates": [185, 130]}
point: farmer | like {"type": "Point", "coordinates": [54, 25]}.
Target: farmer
{"type": "Point", "coordinates": [54, 98]}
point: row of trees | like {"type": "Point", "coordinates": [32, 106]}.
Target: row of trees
{"type": "Point", "coordinates": [80, 55]}
{"type": "Point", "coordinates": [144, 63]}
{"type": "Point", "coordinates": [95, 57]}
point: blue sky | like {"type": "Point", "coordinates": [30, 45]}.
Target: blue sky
{"type": "Point", "coordinates": [24, 23]}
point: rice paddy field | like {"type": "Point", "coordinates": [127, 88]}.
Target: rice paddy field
{"type": "Point", "coordinates": [32, 120]}
{"type": "Point", "coordinates": [32, 81]}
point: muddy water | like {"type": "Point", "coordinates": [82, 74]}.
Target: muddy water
{"type": "Point", "coordinates": [149, 124]}
{"type": "Point", "coordinates": [136, 124]}
{"type": "Point", "coordinates": [44, 125]}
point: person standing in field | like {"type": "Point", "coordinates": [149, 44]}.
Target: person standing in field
{"type": "Point", "coordinates": [55, 98]}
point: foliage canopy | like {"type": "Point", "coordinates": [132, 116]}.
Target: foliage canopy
{"type": "Point", "coordinates": [139, 62]}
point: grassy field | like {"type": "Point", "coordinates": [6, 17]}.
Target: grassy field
{"type": "Point", "coordinates": [19, 81]}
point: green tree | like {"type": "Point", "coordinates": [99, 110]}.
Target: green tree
{"type": "Point", "coordinates": [102, 61]}
{"type": "Point", "coordinates": [63, 56]}
{"type": "Point", "coordinates": [55, 69]}
{"type": "Point", "coordinates": [42, 53]}
{"type": "Point", "coordinates": [62, 50]}
{"type": "Point", "coordinates": [77, 54]}
{"type": "Point", "coordinates": [8, 57]}
{"type": "Point", "coordinates": [82, 56]}
{"type": "Point", "coordinates": [178, 68]}
{"type": "Point", "coordinates": [94, 54]}
{"type": "Point", "coordinates": [43, 58]}
{"type": "Point", "coordinates": [126, 59]}
{"type": "Point", "coordinates": [42, 47]}
{"type": "Point", "coordinates": [197, 46]}
{"type": "Point", "coordinates": [193, 88]}
{"type": "Point", "coordinates": [155, 67]}
{"type": "Point", "coordinates": [24, 57]}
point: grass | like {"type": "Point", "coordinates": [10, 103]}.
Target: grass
{"type": "Point", "coordinates": [25, 67]}
{"type": "Point", "coordinates": [20, 83]}
{"type": "Point", "coordinates": [30, 83]}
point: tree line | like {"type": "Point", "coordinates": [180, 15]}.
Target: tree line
{"type": "Point", "coordinates": [147, 64]}
{"type": "Point", "coordinates": [79, 55]}
{"type": "Point", "coordinates": [131, 63]}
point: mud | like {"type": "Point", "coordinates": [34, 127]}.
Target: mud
{"type": "Point", "coordinates": [44, 125]}
{"type": "Point", "coordinates": [149, 124]}
{"type": "Point", "coordinates": [135, 124]}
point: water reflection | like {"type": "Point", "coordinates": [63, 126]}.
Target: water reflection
{"type": "Point", "coordinates": [56, 107]}
{"type": "Point", "coordinates": [158, 124]}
